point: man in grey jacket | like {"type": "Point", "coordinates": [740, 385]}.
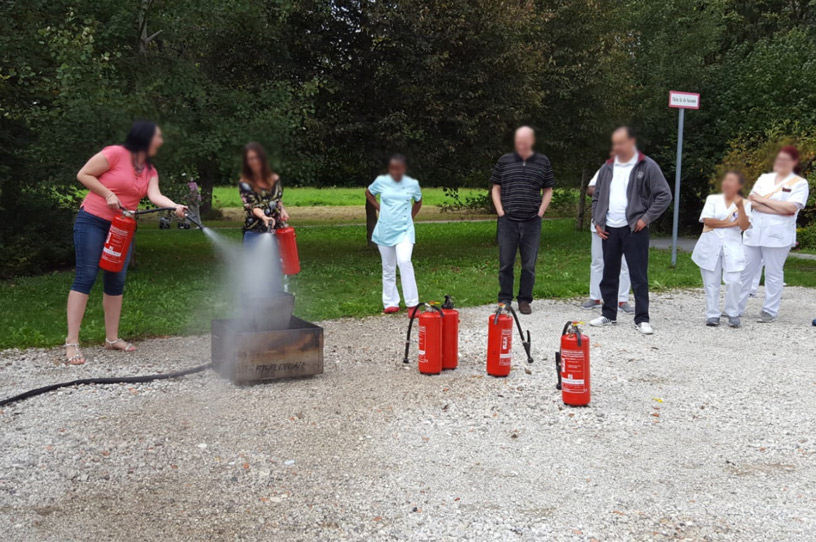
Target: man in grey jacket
{"type": "Point", "coordinates": [631, 193]}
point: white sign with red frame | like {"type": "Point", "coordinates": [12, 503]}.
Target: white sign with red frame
{"type": "Point", "coordinates": [684, 100]}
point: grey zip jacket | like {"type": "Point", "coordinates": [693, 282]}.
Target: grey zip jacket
{"type": "Point", "coordinates": [648, 193]}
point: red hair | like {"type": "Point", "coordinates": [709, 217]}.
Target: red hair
{"type": "Point", "coordinates": [793, 152]}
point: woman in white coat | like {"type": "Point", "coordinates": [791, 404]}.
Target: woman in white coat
{"type": "Point", "coordinates": [719, 252]}
{"type": "Point", "coordinates": [776, 200]}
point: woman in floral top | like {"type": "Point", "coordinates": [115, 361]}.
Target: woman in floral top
{"type": "Point", "coordinates": [261, 193]}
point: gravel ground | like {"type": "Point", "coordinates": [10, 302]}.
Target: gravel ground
{"type": "Point", "coordinates": [693, 434]}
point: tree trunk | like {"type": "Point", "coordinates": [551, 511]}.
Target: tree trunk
{"type": "Point", "coordinates": [371, 221]}
{"type": "Point", "coordinates": [579, 223]}
{"type": "Point", "coordinates": [207, 173]}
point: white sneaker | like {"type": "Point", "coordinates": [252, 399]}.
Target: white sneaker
{"type": "Point", "coordinates": [602, 321]}
{"type": "Point", "coordinates": [645, 328]}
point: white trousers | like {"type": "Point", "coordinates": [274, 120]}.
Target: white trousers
{"type": "Point", "coordinates": [733, 290]}
{"type": "Point", "coordinates": [774, 258]}
{"type": "Point", "coordinates": [392, 257]}
{"type": "Point", "coordinates": [596, 273]}
{"type": "Point", "coordinates": [757, 278]}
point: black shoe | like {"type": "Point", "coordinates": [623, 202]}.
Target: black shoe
{"type": "Point", "coordinates": [525, 308]}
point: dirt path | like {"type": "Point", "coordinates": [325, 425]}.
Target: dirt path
{"type": "Point", "coordinates": [693, 434]}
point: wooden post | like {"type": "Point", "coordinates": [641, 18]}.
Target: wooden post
{"type": "Point", "coordinates": [579, 223]}
{"type": "Point", "coordinates": [371, 221]}
{"type": "Point", "coordinates": [207, 172]}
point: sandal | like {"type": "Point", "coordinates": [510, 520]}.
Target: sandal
{"type": "Point", "coordinates": [128, 347]}
{"type": "Point", "coordinates": [78, 358]}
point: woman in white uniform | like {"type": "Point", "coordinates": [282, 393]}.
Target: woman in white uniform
{"type": "Point", "coordinates": [400, 201]}
{"type": "Point", "coordinates": [776, 200]}
{"type": "Point", "coordinates": [719, 252]}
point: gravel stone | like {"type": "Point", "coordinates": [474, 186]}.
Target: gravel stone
{"type": "Point", "coordinates": [694, 433]}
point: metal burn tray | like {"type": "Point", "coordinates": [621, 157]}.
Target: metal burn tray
{"type": "Point", "coordinates": [246, 356]}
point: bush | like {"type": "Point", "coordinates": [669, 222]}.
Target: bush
{"type": "Point", "coordinates": [754, 156]}
{"type": "Point", "coordinates": [481, 204]}
{"type": "Point", "coordinates": [806, 237]}
{"type": "Point", "coordinates": [37, 240]}
{"type": "Point", "coordinates": [564, 202]}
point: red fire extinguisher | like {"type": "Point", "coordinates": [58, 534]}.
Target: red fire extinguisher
{"type": "Point", "coordinates": [500, 340]}
{"type": "Point", "coordinates": [117, 245]}
{"type": "Point", "coordinates": [572, 365]}
{"type": "Point", "coordinates": [430, 334]}
{"type": "Point", "coordinates": [450, 335]}
{"type": "Point", "coordinates": [287, 245]}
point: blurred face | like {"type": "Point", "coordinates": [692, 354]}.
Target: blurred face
{"type": "Point", "coordinates": [396, 168]}
{"type": "Point", "coordinates": [156, 142]}
{"type": "Point", "coordinates": [254, 162]}
{"type": "Point", "coordinates": [623, 146]}
{"type": "Point", "coordinates": [524, 141]}
{"type": "Point", "coordinates": [731, 184]}
{"type": "Point", "coordinates": [784, 163]}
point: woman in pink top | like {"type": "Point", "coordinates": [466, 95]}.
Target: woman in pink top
{"type": "Point", "coordinates": [117, 177]}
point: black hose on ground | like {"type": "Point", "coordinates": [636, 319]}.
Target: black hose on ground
{"type": "Point", "coordinates": [106, 380]}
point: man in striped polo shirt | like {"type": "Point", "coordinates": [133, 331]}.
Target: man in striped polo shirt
{"type": "Point", "coordinates": [522, 189]}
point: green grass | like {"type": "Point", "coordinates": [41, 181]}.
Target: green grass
{"type": "Point", "coordinates": [227, 196]}
{"type": "Point", "coordinates": [175, 287]}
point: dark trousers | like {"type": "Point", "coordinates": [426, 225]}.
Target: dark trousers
{"type": "Point", "coordinates": [517, 236]}
{"type": "Point", "coordinates": [634, 246]}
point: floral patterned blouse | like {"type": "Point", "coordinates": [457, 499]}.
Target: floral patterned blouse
{"type": "Point", "coordinates": [269, 200]}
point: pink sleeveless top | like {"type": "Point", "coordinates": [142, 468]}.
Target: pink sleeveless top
{"type": "Point", "coordinates": [122, 180]}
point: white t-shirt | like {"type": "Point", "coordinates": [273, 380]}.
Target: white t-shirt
{"type": "Point", "coordinates": [768, 230]}
{"type": "Point", "coordinates": [618, 198]}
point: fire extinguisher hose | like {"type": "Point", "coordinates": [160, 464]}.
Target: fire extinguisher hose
{"type": "Point", "coordinates": [154, 210]}
{"type": "Point", "coordinates": [527, 343]}
{"type": "Point", "coordinates": [106, 380]}
{"type": "Point", "coordinates": [188, 216]}
{"type": "Point", "coordinates": [411, 323]}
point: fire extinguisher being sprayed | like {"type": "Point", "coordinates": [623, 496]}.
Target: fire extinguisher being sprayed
{"type": "Point", "coordinates": [500, 340]}
{"type": "Point", "coordinates": [572, 366]}
{"type": "Point", "coordinates": [284, 233]}
{"type": "Point", "coordinates": [287, 245]}
{"type": "Point", "coordinates": [120, 236]}
{"type": "Point", "coordinates": [438, 337]}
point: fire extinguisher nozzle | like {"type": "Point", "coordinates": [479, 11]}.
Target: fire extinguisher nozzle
{"type": "Point", "coordinates": [195, 222]}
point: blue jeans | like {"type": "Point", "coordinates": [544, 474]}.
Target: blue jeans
{"type": "Point", "coordinates": [90, 233]}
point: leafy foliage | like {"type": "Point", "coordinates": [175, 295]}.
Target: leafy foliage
{"type": "Point", "coordinates": [332, 87]}
{"type": "Point", "coordinates": [755, 156]}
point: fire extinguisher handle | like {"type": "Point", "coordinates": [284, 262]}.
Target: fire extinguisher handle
{"type": "Point", "coordinates": [499, 310]}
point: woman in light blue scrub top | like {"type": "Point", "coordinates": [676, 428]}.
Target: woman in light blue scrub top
{"type": "Point", "coordinates": [400, 201]}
